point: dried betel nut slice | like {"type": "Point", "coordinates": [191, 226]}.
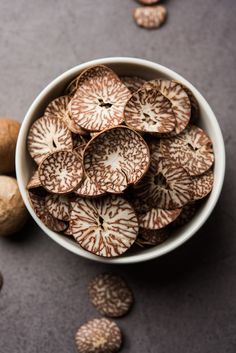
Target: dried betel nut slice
{"type": "Point", "coordinates": [194, 103]}
{"type": "Point", "coordinates": [133, 83]}
{"type": "Point", "coordinates": [150, 17]}
{"type": "Point", "coordinates": [34, 181]}
{"type": "Point", "coordinates": [38, 204]}
{"type": "Point", "coordinates": [110, 295]}
{"type": "Point", "coordinates": [47, 135]}
{"type": "Point", "coordinates": [148, 110]}
{"type": "Point", "coordinates": [157, 218]}
{"type": "Point", "coordinates": [151, 237]}
{"type": "Point", "coordinates": [99, 100]}
{"type": "Point", "coordinates": [58, 206]}
{"type": "Point", "coordinates": [61, 172]}
{"type": "Point", "coordinates": [88, 188]}
{"type": "Point", "coordinates": [98, 336]}
{"type": "Point", "coordinates": [192, 150]}
{"type": "Point", "coordinates": [105, 226]}
{"type": "Point", "coordinates": [168, 187]}
{"type": "Point", "coordinates": [116, 158]}
{"type": "Point", "coordinates": [203, 184]}
{"type": "Point", "coordinates": [178, 98]}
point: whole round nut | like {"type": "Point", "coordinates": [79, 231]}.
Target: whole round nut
{"type": "Point", "coordinates": [9, 130]}
{"type": "Point", "coordinates": [13, 213]}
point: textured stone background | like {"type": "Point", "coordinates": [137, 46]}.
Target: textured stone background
{"type": "Point", "coordinates": [186, 301]}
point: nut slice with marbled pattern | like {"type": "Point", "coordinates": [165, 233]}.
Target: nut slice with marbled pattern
{"type": "Point", "coordinates": [98, 336]}
{"type": "Point", "coordinates": [148, 110]}
{"type": "Point", "coordinates": [150, 17]}
{"type": "Point", "coordinates": [106, 226]}
{"type": "Point", "coordinates": [169, 186]}
{"type": "Point", "coordinates": [46, 136]}
{"type": "Point", "coordinates": [192, 150]}
{"type": "Point", "coordinates": [39, 206]}
{"type": "Point", "coordinates": [61, 172]}
{"type": "Point", "coordinates": [179, 100]}
{"type": "Point", "coordinates": [100, 99]}
{"type": "Point", "coordinates": [58, 206]}
{"type": "Point", "coordinates": [203, 184]}
{"type": "Point", "coordinates": [152, 237]}
{"type": "Point", "coordinates": [116, 158]}
{"type": "Point", "coordinates": [87, 188]}
{"type": "Point", "coordinates": [110, 295]}
{"type": "Point", "coordinates": [34, 181]}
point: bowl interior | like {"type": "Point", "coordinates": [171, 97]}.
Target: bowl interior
{"type": "Point", "coordinates": [147, 70]}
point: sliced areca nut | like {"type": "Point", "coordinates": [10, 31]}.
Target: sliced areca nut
{"type": "Point", "coordinates": [148, 110]}
{"type": "Point", "coordinates": [188, 212]}
{"type": "Point", "coordinates": [194, 103]}
{"type": "Point", "coordinates": [150, 17]}
{"type": "Point", "coordinates": [61, 172]}
{"type": "Point", "coordinates": [116, 158]}
{"type": "Point", "coordinates": [178, 98]}
{"type": "Point", "coordinates": [88, 188]}
{"type": "Point", "coordinates": [98, 336]}
{"type": "Point", "coordinates": [34, 181]}
{"type": "Point", "coordinates": [168, 187]}
{"type": "Point", "coordinates": [79, 140]}
{"type": "Point", "coordinates": [133, 83]}
{"type": "Point", "coordinates": [155, 152]}
{"type": "Point", "coordinates": [38, 204]}
{"type": "Point", "coordinates": [192, 150]}
{"type": "Point", "coordinates": [151, 237]}
{"type": "Point", "coordinates": [58, 206]}
{"type": "Point", "coordinates": [72, 87]}
{"type": "Point", "coordinates": [68, 232]}
{"type": "Point", "coordinates": [99, 100]}
{"type": "Point", "coordinates": [110, 295]}
{"type": "Point", "coordinates": [105, 226]}
{"type": "Point", "coordinates": [157, 218]}
{"type": "Point", "coordinates": [47, 135]}
{"type": "Point", "coordinates": [203, 184]}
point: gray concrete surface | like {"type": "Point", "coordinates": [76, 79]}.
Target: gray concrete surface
{"type": "Point", "coordinates": [185, 301]}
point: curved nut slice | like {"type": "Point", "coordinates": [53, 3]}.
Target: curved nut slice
{"type": "Point", "coordinates": [34, 181]}
{"type": "Point", "coordinates": [58, 206]}
{"type": "Point", "coordinates": [88, 188]}
{"type": "Point", "coordinates": [110, 295]}
{"type": "Point", "coordinates": [99, 100]}
{"type": "Point", "coordinates": [116, 158]}
{"type": "Point", "coordinates": [148, 237]}
{"type": "Point", "coordinates": [194, 103]}
{"type": "Point", "coordinates": [169, 187]}
{"type": "Point", "coordinates": [150, 17]}
{"type": "Point", "coordinates": [61, 172]}
{"type": "Point", "coordinates": [192, 150]}
{"type": "Point", "coordinates": [133, 83]}
{"type": "Point", "coordinates": [98, 336]}
{"type": "Point", "coordinates": [46, 136]}
{"type": "Point", "coordinates": [157, 218]}
{"type": "Point", "coordinates": [38, 204]}
{"type": "Point", "coordinates": [203, 184]}
{"type": "Point", "coordinates": [149, 111]}
{"type": "Point", "coordinates": [105, 226]}
{"type": "Point", "coordinates": [178, 98]}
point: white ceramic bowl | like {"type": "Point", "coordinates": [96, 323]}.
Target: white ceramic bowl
{"type": "Point", "coordinates": [147, 70]}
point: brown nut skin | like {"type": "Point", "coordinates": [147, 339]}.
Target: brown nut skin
{"type": "Point", "coordinates": [13, 213]}
{"type": "Point", "coordinates": [9, 130]}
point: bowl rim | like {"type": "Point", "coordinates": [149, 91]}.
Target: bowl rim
{"type": "Point", "coordinates": [156, 251]}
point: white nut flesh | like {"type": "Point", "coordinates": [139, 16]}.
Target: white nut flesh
{"type": "Point", "coordinates": [116, 158]}
{"type": "Point", "coordinates": [105, 226]}
{"type": "Point", "coordinates": [100, 99]}
{"type": "Point", "coordinates": [149, 111]}
{"type": "Point", "coordinates": [46, 136]}
{"type": "Point", "coordinates": [192, 150]}
{"type": "Point", "coordinates": [61, 172]}
{"type": "Point", "coordinates": [203, 184]}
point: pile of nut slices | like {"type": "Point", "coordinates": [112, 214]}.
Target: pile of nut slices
{"type": "Point", "coordinates": [119, 161]}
